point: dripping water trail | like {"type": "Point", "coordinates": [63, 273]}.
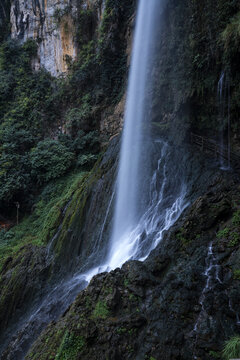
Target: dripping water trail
{"type": "Point", "coordinates": [55, 237]}
{"type": "Point", "coordinates": [212, 276]}
{"type": "Point", "coordinates": [99, 241]}
{"type": "Point", "coordinates": [229, 129]}
{"type": "Point", "coordinates": [223, 99]}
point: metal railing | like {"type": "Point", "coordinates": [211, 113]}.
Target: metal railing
{"type": "Point", "coordinates": [212, 147]}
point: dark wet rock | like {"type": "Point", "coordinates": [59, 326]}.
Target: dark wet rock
{"type": "Point", "coordinates": [150, 309]}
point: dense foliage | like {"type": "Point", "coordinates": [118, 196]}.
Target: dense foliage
{"type": "Point", "coordinates": [29, 118]}
{"type": "Point", "coordinates": [36, 108]}
{"type": "Point", "coordinates": [232, 348]}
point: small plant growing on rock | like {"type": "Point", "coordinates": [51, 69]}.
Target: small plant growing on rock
{"type": "Point", "coordinates": [232, 348]}
{"type": "Point", "coordinates": [236, 218]}
{"type": "Point", "coordinates": [101, 311]}
{"type": "Point", "coordinates": [236, 274]}
{"type": "Point", "coordinates": [235, 238]}
{"type": "Point", "coordinates": [215, 355]}
{"type": "Point", "coordinates": [223, 233]}
{"type": "Point", "coordinates": [180, 236]}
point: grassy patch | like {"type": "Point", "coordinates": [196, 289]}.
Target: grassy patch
{"type": "Point", "coordinates": [223, 233]}
{"type": "Point", "coordinates": [215, 354]}
{"type": "Point", "coordinates": [101, 311]}
{"type": "Point", "coordinates": [70, 347]}
{"type": "Point", "coordinates": [232, 348]}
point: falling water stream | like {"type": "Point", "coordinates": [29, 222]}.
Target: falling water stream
{"type": "Point", "coordinates": [212, 274]}
{"type": "Point", "coordinates": [223, 92]}
{"type": "Point", "coordinates": [148, 199]}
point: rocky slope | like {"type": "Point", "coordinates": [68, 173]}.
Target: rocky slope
{"type": "Point", "coordinates": [182, 302]}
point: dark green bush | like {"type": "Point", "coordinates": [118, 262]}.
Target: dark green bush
{"type": "Point", "coordinates": [50, 160]}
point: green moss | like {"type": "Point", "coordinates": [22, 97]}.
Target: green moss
{"type": "Point", "coordinates": [236, 274]}
{"type": "Point", "coordinates": [121, 330]}
{"type": "Point", "coordinates": [180, 236]}
{"type": "Point", "coordinates": [231, 34]}
{"type": "Point", "coordinates": [101, 311]}
{"type": "Point", "coordinates": [215, 354]}
{"type": "Point", "coordinates": [71, 346]}
{"type": "Point", "coordinates": [42, 224]}
{"type": "Point", "coordinates": [223, 233]}
{"type": "Point", "coordinates": [236, 218]}
{"type": "Point", "coordinates": [132, 331]}
{"type": "Point", "coordinates": [133, 297]}
{"type": "Point", "coordinates": [234, 239]}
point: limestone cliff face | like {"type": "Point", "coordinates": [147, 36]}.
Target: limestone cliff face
{"type": "Point", "coordinates": [38, 20]}
{"type": "Point", "coordinates": [52, 24]}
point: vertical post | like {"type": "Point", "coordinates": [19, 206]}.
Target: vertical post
{"type": "Point", "coordinates": [17, 206]}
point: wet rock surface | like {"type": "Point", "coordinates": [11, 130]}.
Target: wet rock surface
{"type": "Point", "coordinates": [150, 310]}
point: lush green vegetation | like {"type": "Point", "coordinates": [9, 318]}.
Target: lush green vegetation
{"type": "Point", "coordinates": [70, 347]}
{"type": "Point", "coordinates": [36, 108]}
{"type": "Point", "coordinates": [40, 226]}
{"type": "Point", "coordinates": [101, 311]}
{"type": "Point", "coordinates": [28, 105]}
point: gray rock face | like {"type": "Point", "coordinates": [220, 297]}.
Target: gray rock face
{"type": "Point", "coordinates": [52, 24]}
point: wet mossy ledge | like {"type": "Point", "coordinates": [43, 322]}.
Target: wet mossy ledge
{"type": "Point", "coordinates": [39, 250]}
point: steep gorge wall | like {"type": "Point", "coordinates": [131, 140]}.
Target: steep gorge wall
{"type": "Point", "coordinates": [52, 24]}
{"type": "Point", "coordinates": [199, 40]}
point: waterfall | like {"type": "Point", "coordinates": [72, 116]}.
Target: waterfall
{"type": "Point", "coordinates": [150, 189]}
{"type": "Point", "coordinates": [131, 172]}
{"type": "Point", "coordinates": [223, 92]}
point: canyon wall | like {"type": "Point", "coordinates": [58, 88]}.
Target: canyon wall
{"type": "Point", "coordinates": [52, 24]}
